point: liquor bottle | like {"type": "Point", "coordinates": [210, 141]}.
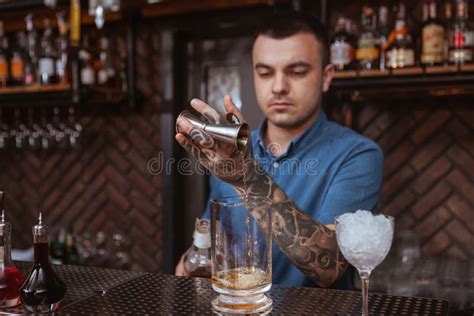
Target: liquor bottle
{"type": "Point", "coordinates": [367, 53]}
{"type": "Point", "coordinates": [4, 71]}
{"type": "Point", "coordinates": [383, 33]}
{"type": "Point", "coordinates": [448, 21]}
{"type": "Point", "coordinates": [197, 260]}
{"type": "Point", "coordinates": [43, 291]}
{"type": "Point", "coordinates": [10, 277]}
{"type": "Point", "coordinates": [30, 71]}
{"type": "Point", "coordinates": [71, 256]}
{"type": "Point", "coordinates": [32, 43]}
{"type": "Point", "coordinates": [31, 62]}
{"type": "Point", "coordinates": [17, 61]}
{"type": "Point", "coordinates": [62, 47]}
{"type": "Point", "coordinates": [75, 37]}
{"type": "Point", "coordinates": [87, 71]}
{"type": "Point", "coordinates": [58, 247]}
{"type": "Point", "coordinates": [341, 49]}
{"type": "Point", "coordinates": [47, 56]}
{"type": "Point", "coordinates": [461, 43]}
{"type": "Point", "coordinates": [432, 37]}
{"type": "Point", "coordinates": [29, 67]}
{"type": "Point", "coordinates": [106, 71]}
{"type": "Point", "coordinates": [399, 50]}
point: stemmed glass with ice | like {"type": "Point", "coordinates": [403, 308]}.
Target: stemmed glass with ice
{"type": "Point", "coordinates": [364, 240]}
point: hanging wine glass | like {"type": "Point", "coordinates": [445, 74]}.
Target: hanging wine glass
{"type": "Point", "coordinates": [33, 135]}
{"type": "Point", "coordinates": [4, 134]}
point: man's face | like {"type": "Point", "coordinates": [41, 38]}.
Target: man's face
{"type": "Point", "coordinates": [289, 79]}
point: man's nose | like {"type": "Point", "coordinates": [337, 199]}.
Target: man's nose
{"type": "Point", "coordinates": [280, 84]}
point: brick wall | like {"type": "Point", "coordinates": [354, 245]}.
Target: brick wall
{"type": "Point", "coordinates": [429, 172]}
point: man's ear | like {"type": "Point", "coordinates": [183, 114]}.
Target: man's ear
{"type": "Point", "coordinates": [328, 74]}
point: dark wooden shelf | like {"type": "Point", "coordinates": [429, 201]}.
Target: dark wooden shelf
{"type": "Point", "coordinates": [13, 13]}
{"type": "Point", "coordinates": [35, 89]}
{"type": "Point", "coordinates": [413, 81]}
{"type": "Point", "coordinates": [60, 94]}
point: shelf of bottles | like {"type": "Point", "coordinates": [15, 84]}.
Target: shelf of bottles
{"type": "Point", "coordinates": [50, 77]}
{"type": "Point", "coordinates": [375, 52]}
{"type": "Point", "coordinates": [37, 68]}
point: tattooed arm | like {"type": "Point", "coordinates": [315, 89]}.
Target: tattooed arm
{"type": "Point", "coordinates": [310, 245]}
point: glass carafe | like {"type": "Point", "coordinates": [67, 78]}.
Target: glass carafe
{"type": "Point", "coordinates": [43, 291]}
{"type": "Point", "coordinates": [10, 277]}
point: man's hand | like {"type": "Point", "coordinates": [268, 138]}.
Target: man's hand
{"type": "Point", "coordinates": [225, 161]}
{"type": "Point", "coordinates": [180, 271]}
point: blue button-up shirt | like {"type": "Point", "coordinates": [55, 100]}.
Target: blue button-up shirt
{"type": "Point", "coordinates": [327, 170]}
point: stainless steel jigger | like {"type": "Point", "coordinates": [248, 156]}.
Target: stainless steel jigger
{"type": "Point", "coordinates": [236, 135]}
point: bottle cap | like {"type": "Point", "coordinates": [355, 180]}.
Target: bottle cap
{"type": "Point", "coordinates": [5, 227]}
{"type": "Point", "coordinates": [40, 231]}
{"type": "Point", "coordinates": [202, 234]}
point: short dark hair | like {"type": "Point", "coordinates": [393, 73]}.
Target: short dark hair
{"type": "Point", "coordinates": [285, 24]}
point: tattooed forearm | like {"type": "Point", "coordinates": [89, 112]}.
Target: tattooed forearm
{"type": "Point", "coordinates": [311, 246]}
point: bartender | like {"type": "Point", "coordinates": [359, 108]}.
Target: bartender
{"type": "Point", "coordinates": [338, 170]}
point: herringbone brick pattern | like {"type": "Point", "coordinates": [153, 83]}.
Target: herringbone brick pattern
{"type": "Point", "coordinates": [101, 185]}
{"type": "Point", "coordinates": [429, 172]}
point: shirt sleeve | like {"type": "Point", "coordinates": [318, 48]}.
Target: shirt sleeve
{"type": "Point", "coordinates": [356, 185]}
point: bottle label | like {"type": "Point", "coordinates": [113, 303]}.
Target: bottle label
{"type": "Point", "coordinates": [462, 39]}
{"type": "Point", "coordinates": [60, 67]}
{"type": "Point", "coordinates": [433, 44]}
{"type": "Point", "coordinates": [367, 49]}
{"type": "Point", "coordinates": [17, 65]}
{"type": "Point", "coordinates": [341, 53]}
{"type": "Point", "coordinates": [3, 68]}
{"type": "Point", "coordinates": [460, 55]}
{"type": "Point", "coordinates": [87, 76]}
{"type": "Point", "coordinates": [102, 76]}
{"type": "Point", "coordinates": [29, 79]}
{"type": "Point", "coordinates": [400, 57]}
{"type": "Point", "coordinates": [367, 53]}
{"type": "Point", "coordinates": [46, 66]}
{"type": "Point", "coordinates": [470, 38]}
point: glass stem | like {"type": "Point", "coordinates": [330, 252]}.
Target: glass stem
{"type": "Point", "coordinates": [364, 278]}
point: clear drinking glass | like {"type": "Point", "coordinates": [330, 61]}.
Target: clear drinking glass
{"type": "Point", "coordinates": [365, 240]}
{"type": "Point", "coordinates": [241, 249]}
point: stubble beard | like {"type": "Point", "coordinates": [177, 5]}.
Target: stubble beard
{"type": "Point", "coordinates": [289, 121]}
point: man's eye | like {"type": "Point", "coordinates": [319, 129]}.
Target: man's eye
{"type": "Point", "coordinates": [264, 74]}
{"type": "Point", "coordinates": [299, 73]}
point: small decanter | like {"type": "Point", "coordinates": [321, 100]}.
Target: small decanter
{"type": "Point", "coordinates": [10, 277]}
{"type": "Point", "coordinates": [197, 260]}
{"type": "Point", "coordinates": [43, 291]}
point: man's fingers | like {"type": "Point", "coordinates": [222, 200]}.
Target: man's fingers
{"type": "Point", "coordinates": [211, 115]}
{"type": "Point", "coordinates": [184, 126]}
{"type": "Point", "coordinates": [180, 271]}
{"type": "Point", "coordinates": [198, 136]}
{"type": "Point", "coordinates": [231, 108]}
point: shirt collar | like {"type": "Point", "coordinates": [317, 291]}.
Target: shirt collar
{"type": "Point", "coordinates": [302, 139]}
